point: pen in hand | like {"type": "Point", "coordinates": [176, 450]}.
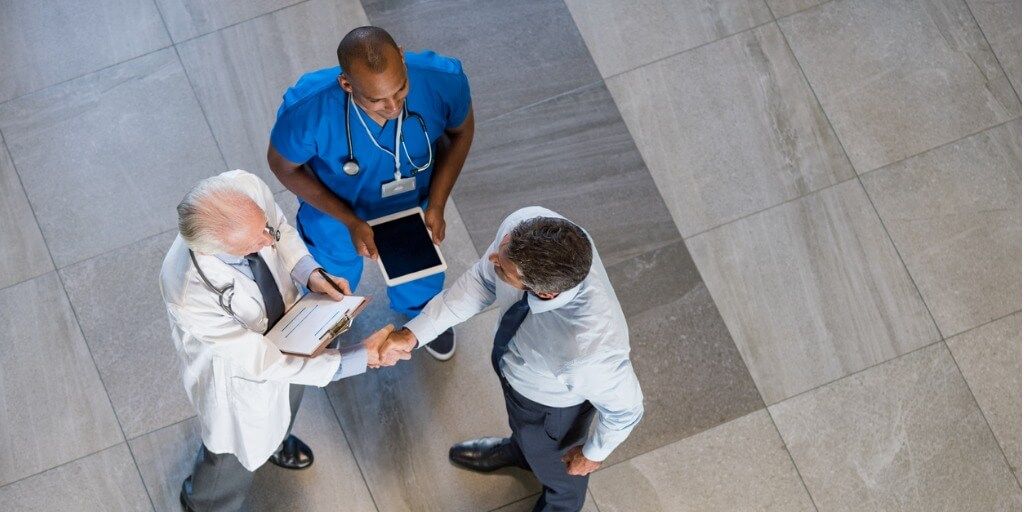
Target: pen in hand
{"type": "Point", "coordinates": [330, 281]}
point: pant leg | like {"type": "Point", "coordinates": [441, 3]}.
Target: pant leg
{"type": "Point", "coordinates": [219, 482]}
{"type": "Point", "coordinates": [295, 392]}
{"type": "Point", "coordinates": [335, 253]}
{"type": "Point", "coordinates": [409, 298]}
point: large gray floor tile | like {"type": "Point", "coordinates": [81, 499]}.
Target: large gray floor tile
{"type": "Point", "coordinates": [954, 214]}
{"type": "Point", "coordinates": [100, 482]}
{"type": "Point", "coordinates": [786, 7]}
{"type": "Point", "coordinates": [624, 35]}
{"type": "Point", "coordinates": [729, 129]}
{"type": "Point", "coordinates": [106, 158]}
{"type": "Point", "coordinates": [989, 358]}
{"type": "Point", "coordinates": [47, 41]}
{"type": "Point", "coordinates": [741, 465]}
{"type": "Point", "coordinates": [905, 435]}
{"type": "Point", "coordinates": [515, 53]}
{"type": "Point", "coordinates": [241, 72]}
{"type": "Point", "coordinates": [165, 458]}
{"type": "Point", "coordinates": [23, 250]}
{"type": "Point", "coordinates": [572, 154]}
{"type": "Point", "coordinates": [1000, 21]}
{"type": "Point", "coordinates": [812, 290]}
{"type": "Point", "coordinates": [526, 505]}
{"type": "Point", "coordinates": [190, 18]}
{"type": "Point", "coordinates": [117, 298]}
{"type": "Point", "coordinates": [692, 376]}
{"type": "Point", "coordinates": [54, 406]}
{"type": "Point", "coordinates": [900, 78]}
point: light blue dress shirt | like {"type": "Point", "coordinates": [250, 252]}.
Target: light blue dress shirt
{"type": "Point", "coordinates": [569, 349]}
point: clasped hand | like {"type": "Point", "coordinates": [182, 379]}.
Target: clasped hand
{"type": "Point", "coordinates": [387, 347]}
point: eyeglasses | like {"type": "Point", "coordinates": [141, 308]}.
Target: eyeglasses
{"type": "Point", "coordinates": [273, 232]}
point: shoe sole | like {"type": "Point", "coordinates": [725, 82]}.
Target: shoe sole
{"type": "Point", "coordinates": [439, 356]}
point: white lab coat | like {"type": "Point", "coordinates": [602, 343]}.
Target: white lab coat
{"type": "Point", "coordinates": [236, 379]}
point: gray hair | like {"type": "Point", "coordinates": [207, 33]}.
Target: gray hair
{"type": "Point", "coordinates": [209, 211]}
{"type": "Point", "coordinates": [553, 254]}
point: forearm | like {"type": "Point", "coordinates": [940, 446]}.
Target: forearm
{"type": "Point", "coordinates": [448, 165]}
{"type": "Point", "coordinates": [301, 182]}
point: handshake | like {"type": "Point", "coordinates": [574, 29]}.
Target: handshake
{"type": "Point", "coordinates": [388, 346]}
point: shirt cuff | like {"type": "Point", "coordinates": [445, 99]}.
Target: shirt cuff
{"type": "Point", "coordinates": [423, 328]}
{"type": "Point", "coordinates": [594, 453]}
{"type": "Point", "coordinates": [303, 269]}
{"type": "Point", "coordinates": [353, 361]}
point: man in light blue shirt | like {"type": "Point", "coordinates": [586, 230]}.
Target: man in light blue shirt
{"type": "Point", "coordinates": [561, 351]}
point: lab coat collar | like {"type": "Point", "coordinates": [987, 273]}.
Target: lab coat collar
{"type": "Point", "coordinates": [539, 305]}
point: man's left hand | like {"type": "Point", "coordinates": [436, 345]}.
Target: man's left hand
{"type": "Point", "coordinates": [434, 219]}
{"type": "Point", "coordinates": [317, 283]}
{"type": "Point", "coordinates": [578, 465]}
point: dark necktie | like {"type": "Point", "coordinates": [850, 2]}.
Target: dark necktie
{"type": "Point", "coordinates": [507, 328]}
{"type": "Point", "coordinates": [272, 301]}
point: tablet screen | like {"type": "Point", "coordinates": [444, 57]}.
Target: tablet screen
{"type": "Point", "coordinates": [404, 246]}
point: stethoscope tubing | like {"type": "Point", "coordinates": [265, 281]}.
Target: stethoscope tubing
{"type": "Point", "coordinates": [400, 145]}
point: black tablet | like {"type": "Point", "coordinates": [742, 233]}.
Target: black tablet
{"type": "Point", "coordinates": [405, 250]}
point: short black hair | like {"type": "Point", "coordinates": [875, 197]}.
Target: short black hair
{"type": "Point", "coordinates": [553, 254]}
{"type": "Point", "coordinates": [367, 46]}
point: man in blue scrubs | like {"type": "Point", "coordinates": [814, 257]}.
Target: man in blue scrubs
{"type": "Point", "coordinates": [378, 85]}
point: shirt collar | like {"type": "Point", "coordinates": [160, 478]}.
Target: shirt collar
{"type": "Point", "coordinates": [229, 258]}
{"type": "Point", "coordinates": [539, 305]}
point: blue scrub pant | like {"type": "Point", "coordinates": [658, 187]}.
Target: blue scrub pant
{"type": "Point", "coordinates": [341, 259]}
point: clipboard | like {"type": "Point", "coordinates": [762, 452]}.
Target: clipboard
{"type": "Point", "coordinates": [314, 322]}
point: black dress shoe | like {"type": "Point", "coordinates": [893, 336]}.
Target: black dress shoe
{"type": "Point", "coordinates": [293, 454]}
{"type": "Point", "coordinates": [186, 489]}
{"type": "Point", "coordinates": [485, 454]}
{"type": "Point", "coordinates": [443, 347]}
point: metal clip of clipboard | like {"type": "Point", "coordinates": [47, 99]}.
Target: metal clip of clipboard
{"type": "Point", "coordinates": [340, 327]}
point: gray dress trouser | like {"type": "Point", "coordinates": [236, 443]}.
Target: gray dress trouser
{"type": "Point", "coordinates": [220, 483]}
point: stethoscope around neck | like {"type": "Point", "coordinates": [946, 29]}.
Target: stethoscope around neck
{"type": "Point", "coordinates": [351, 166]}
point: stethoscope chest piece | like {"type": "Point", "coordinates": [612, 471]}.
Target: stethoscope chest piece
{"type": "Point", "coordinates": [350, 167]}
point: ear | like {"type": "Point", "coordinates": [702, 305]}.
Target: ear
{"type": "Point", "coordinates": [344, 83]}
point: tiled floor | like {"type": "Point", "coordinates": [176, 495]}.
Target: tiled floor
{"type": "Point", "coordinates": [810, 210]}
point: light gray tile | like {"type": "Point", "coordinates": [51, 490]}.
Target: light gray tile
{"type": "Point", "coordinates": [106, 158]}
{"type": "Point", "coordinates": [954, 214]}
{"type": "Point", "coordinates": [47, 41]}
{"type": "Point", "coordinates": [729, 129]}
{"type": "Point", "coordinates": [905, 435]}
{"type": "Point", "coordinates": [812, 290]}
{"type": "Point", "coordinates": [117, 298]}
{"type": "Point", "coordinates": [624, 35]}
{"type": "Point", "coordinates": [515, 53]}
{"type": "Point", "coordinates": [241, 72]}
{"type": "Point", "coordinates": [100, 482]}
{"type": "Point", "coordinates": [1000, 21]}
{"type": "Point", "coordinates": [54, 406]}
{"type": "Point", "coordinates": [899, 78]}
{"type": "Point", "coordinates": [23, 250]}
{"type": "Point", "coordinates": [165, 459]}
{"type": "Point", "coordinates": [989, 358]}
{"type": "Point", "coordinates": [740, 465]}
{"type": "Point", "coordinates": [526, 505]}
{"type": "Point", "coordinates": [786, 7]}
{"type": "Point", "coordinates": [190, 18]}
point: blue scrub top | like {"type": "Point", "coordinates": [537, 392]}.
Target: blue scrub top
{"type": "Point", "coordinates": [311, 128]}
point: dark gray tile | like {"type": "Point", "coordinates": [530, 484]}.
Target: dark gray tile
{"type": "Point", "coordinates": [515, 53]}
{"type": "Point", "coordinates": [190, 18]}
{"type": "Point", "coordinates": [241, 72]}
{"type": "Point", "coordinates": [692, 376]}
{"type": "Point", "coordinates": [47, 41]}
{"type": "Point", "coordinates": [23, 250]}
{"type": "Point", "coordinates": [899, 78]}
{"type": "Point", "coordinates": [105, 158]}
{"type": "Point", "coordinates": [1000, 21]}
{"type": "Point", "coordinates": [100, 482]}
{"type": "Point", "coordinates": [572, 154]}
{"type": "Point", "coordinates": [117, 298]}
{"type": "Point", "coordinates": [54, 407]}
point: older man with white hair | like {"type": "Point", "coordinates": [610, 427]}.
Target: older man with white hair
{"type": "Point", "coordinates": [229, 276]}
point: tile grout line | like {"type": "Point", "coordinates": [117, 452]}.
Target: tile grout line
{"type": "Point", "coordinates": [984, 37]}
{"type": "Point", "coordinates": [202, 109]}
{"type": "Point", "coordinates": [785, 446]}
{"type": "Point", "coordinates": [230, 25]}
{"type": "Point", "coordinates": [351, 450]}
{"type": "Point", "coordinates": [62, 464]}
{"type": "Point", "coordinates": [35, 218]}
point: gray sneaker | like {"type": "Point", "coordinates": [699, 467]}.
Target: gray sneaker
{"type": "Point", "coordinates": [443, 347]}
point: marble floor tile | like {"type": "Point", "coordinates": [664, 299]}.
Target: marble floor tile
{"type": "Point", "coordinates": [240, 73]}
{"type": "Point", "coordinates": [48, 41]}
{"type": "Point", "coordinates": [574, 155]}
{"type": "Point", "coordinates": [54, 407]}
{"type": "Point", "coordinates": [526, 505]}
{"type": "Point", "coordinates": [23, 250]}
{"type": "Point", "coordinates": [626, 35]}
{"type": "Point", "coordinates": [101, 482]}
{"type": "Point", "coordinates": [692, 376]}
{"type": "Point", "coordinates": [105, 158]}
{"type": "Point", "coordinates": [954, 214]}
{"type": "Point", "coordinates": [117, 299]}
{"type": "Point", "coordinates": [729, 129]}
{"type": "Point", "coordinates": [190, 18]}
{"type": "Point", "coordinates": [515, 53]}
{"type": "Point", "coordinates": [740, 465]}
{"type": "Point", "coordinates": [905, 435]}
{"type": "Point", "coordinates": [899, 78]}
{"type": "Point", "coordinates": [165, 458]}
{"type": "Point", "coordinates": [999, 20]}
{"type": "Point", "coordinates": [812, 290]}
{"type": "Point", "coordinates": [989, 357]}
{"type": "Point", "coordinates": [787, 7]}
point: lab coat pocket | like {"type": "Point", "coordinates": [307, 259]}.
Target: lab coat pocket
{"type": "Point", "coordinates": [254, 399]}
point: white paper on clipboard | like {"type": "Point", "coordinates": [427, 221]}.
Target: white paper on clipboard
{"type": "Point", "coordinates": [307, 327]}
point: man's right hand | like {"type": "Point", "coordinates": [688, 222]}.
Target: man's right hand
{"type": "Point", "coordinates": [398, 345]}
{"type": "Point", "coordinates": [362, 239]}
{"type": "Point", "coordinates": [373, 344]}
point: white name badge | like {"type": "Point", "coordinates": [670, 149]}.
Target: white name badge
{"type": "Point", "coordinates": [395, 187]}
